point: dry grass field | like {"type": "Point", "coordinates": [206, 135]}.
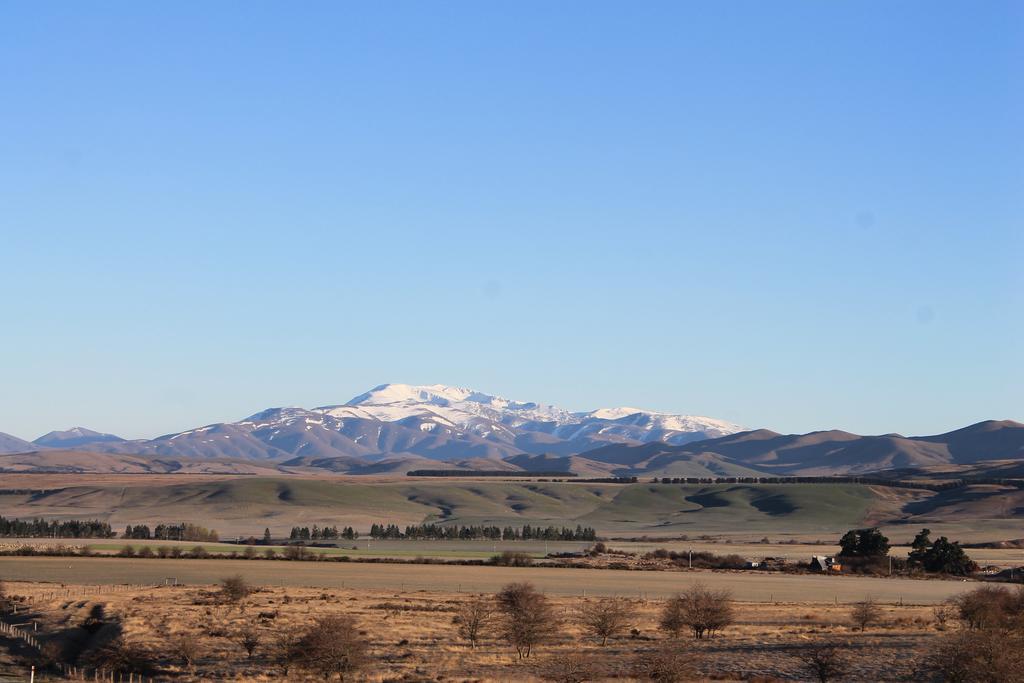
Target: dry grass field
{"type": "Point", "coordinates": [745, 585]}
{"type": "Point", "coordinates": [411, 634]}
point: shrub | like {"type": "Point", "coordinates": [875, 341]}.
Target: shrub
{"type": "Point", "coordinates": [986, 655]}
{"type": "Point", "coordinates": [185, 648]}
{"type": "Point", "coordinates": [234, 589]}
{"type": "Point", "coordinates": [527, 617]}
{"type": "Point", "coordinates": [118, 656]}
{"type": "Point", "coordinates": [249, 639]}
{"type": "Point", "coordinates": [699, 609]}
{"type": "Point", "coordinates": [332, 646]}
{"type": "Point", "coordinates": [573, 667]}
{"type": "Point", "coordinates": [990, 607]}
{"type": "Point", "coordinates": [824, 661]}
{"type": "Point", "coordinates": [670, 662]}
{"type": "Point", "coordinates": [865, 613]}
{"type": "Point", "coordinates": [511, 558]}
{"type": "Point", "coordinates": [606, 618]}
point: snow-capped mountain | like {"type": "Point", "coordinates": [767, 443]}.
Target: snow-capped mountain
{"type": "Point", "coordinates": [469, 409]}
{"type": "Point", "coordinates": [436, 421]}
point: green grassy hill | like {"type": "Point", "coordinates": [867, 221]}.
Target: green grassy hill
{"type": "Point", "coordinates": [245, 505]}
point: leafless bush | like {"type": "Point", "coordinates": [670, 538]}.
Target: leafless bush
{"type": "Point", "coordinates": [942, 614]}
{"type": "Point", "coordinates": [571, 668]}
{"type": "Point", "coordinates": [824, 661]}
{"type": "Point", "coordinates": [977, 656]}
{"type": "Point", "coordinates": [865, 613]}
{"type": "Point", "coordinates": [990, 607]}
{"type": "Point", "coordinates": [249, 638]}
{"type": "Point", "coordinates": [297, 552]}
{"type": "Point", "coordinates": [118, 655]}
{"type": "Point", "coordinates": [510, 558]}
{"type": "Point", "coordinates": [527, 617]}
{"type": "Point", "coordinates": [234, 589]}
{"type": "Point", "coordinates": [699, 609]}
{"type": "Point", "coordinates": [670, 662]}
{"type": "Point", "coordinates": [332, 646]}
{"type": "Point", "coordinates": [606, 618]}
{"type": "Point", "coordinates": [185, 648]}
{"type": "Point", "coordinates": [285, 652]}
{"type": "Point", "coordinates": [473, 618]}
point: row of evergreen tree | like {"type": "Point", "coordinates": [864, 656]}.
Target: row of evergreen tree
{"type": "Point", "coordinates": [475, 532]}
{"type": "Point", "coordinates": [305, 533]}
{"type": "Point", "coordinates": [41, 528]}
{"type": "Point", "coordinates": [872, 481]}
{"type": "Point", "coordinates": [446, 532]}
{"type": "Point", "coordinates": [170, 532]}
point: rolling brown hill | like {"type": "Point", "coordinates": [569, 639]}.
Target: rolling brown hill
{"type": "Point", "coordinates": [826, 452]}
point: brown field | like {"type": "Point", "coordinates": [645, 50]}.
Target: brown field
{"type": "Point", "coordinates": [411, 633]}
{"type": "Point", "coordinates": [454, 550]}
{"type": "Point", "coordinates": [746, 586]}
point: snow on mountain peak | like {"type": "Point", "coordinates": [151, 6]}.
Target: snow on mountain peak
{"type": "Point", "coordinates": [466, 408]}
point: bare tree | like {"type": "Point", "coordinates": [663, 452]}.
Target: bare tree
{"type": "Point", "coordinates": [527, 617]}
{"type": "Point", "coordinates": [249, 639]}
{"type": "Point", "coordinates": [285, 651]}
{"type": "Point", "coordinates": [865, 613]}
{"type": "Point", "coordinates": [942, 614]}
{"type": "Point", "coordinates": [473, 617]}
{"type": "Point", "coordinates": [332, 646]}
{"type": "Point", "coordinates": [185, 647]}
{"type": "Point", "coordinates": [825, 661]}
{"type": "Point", "coordinates": [670, 662]}
{"type": "Point", "coordinates": [234, 589]}
{"type": "Point", "coordinates": [606, 618]}
{"type": "Point", "coordinates": [699, 609]}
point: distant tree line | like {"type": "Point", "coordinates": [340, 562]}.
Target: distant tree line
{"type": "Point", "coordinates": [327, 533]}
{"type": "Point", "coordinates": [170, 532]}
{"type": "Point", "coordinates": [869, 481]}
{"type": "Point", "coordinates": [485, 473]}
{"type": "Point", "coordinates": [474, 532]}
{"type": "Point", "coordinates": [68, 528]}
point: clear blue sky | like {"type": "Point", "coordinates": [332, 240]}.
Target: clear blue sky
{"type": "Point", "coordinates": [796, 215]}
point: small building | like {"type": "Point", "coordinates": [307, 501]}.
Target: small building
{"type": "Point", "coordinates": [824, 563]}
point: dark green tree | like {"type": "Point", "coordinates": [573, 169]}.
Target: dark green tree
{"type": "Point", "coordinates": [868, 543]}
{"type": "Point", "coordinates": [945, 557]}
{"type": "Point", "coordinates": [918, 549]}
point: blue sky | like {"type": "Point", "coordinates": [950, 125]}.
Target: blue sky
{"type": "Point", "coordinates": [795, 215]}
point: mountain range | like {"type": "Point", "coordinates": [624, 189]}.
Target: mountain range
{"type": "Point", "coordinates": [395, 428]}
{"type": "Point", "coordinates": [437, 422]}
